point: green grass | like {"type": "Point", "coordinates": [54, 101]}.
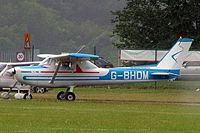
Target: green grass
{"type": "Point", "coordinates": [102, 110]}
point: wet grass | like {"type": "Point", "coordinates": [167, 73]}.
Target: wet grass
{"type": "Point", "coordinates": [101, 110]}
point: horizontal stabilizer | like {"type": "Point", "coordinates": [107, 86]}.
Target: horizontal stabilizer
{"type": "Point", "coordinates": [164, 74]}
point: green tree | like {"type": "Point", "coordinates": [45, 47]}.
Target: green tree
{"type": "Point", "coordinates": [147, 24]}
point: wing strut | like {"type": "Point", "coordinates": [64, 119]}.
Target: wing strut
{"type": "Point", "coordinates": [55, 73]}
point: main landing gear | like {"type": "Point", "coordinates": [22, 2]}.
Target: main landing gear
{"type": "Point", "coordinates": [68, 95]}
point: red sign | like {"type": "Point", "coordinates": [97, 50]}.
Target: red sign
{"type": "Point", "coordinates": [27, 41]}
{"type": "Point", "coordinates": [20, 56]}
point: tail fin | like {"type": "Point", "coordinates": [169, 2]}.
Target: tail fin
{"type": "Point", "coordinates": [176, 55]}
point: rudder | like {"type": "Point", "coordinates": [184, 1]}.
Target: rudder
{"type": "Point", "coordinates": [176, 55]}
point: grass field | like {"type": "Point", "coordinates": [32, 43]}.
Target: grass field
{"type": "Point", "coordinates": [134, 108]}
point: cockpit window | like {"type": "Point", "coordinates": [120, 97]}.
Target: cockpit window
{"type": "Point", "coordinates": [88, 65]}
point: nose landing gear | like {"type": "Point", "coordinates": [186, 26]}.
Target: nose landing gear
{"type": "Point", "coordinates": [68, 95]}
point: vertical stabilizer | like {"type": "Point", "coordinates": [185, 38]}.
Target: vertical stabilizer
{"type": "Point", "coordinates": [175, 57]}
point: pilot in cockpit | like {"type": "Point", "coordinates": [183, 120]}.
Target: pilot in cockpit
{"type": "Point", "coordinates": [67, 65]}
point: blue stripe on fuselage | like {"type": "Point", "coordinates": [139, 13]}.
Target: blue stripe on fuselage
{"type": "Point", "coordinates": [33, 67]}
{"type": "Point", "coordinates": [139, 74]}
{"type": "Point", "coordinates": [59, 78]}
{"type": "Point", "coordinates": [116, 74]}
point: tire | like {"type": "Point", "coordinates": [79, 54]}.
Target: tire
{"type": "Point", "coordinates": [5, 95]}
{"type": "Point", "coordinates": [37, 90]}
{"type": "Point", "coordinates": [41, 90]}
{"type": "Point", "coordinates": [34, 89]}
{"type": "Point", "coordinates": [45, 89]}
{"type": "Point", "coordinates": [28, 96]}
{"type": "Point", "coordinates": [70, 96]}
{"type": "Point", "coordinates": [61, 96]}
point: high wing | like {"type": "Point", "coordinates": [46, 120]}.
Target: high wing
{"type": "Point", "coordinates": [66, 57]}
{"type": "Point", "coordinates": [69, 55]}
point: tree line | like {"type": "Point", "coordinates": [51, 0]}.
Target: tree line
{"type": "Point", "coordinates": [155, 24]}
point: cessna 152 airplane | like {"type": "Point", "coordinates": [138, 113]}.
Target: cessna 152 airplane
{"type": "Point", "coordinates": [73, 69]}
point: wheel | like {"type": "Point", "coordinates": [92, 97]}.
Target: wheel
{"type": "Point", "coordinates": [45, 89]}
{"type": "Point", "coordinates": [61, 95]}
{"type": "Point", "coordinates": [28, 96]}
{"type": "Point", "coordinates": [34, 89]}
{"type": "Point", "coordinates": [40, 90]}
{"type": "Point", "coordinates": [6, 95]}
{"type": "Point", "coordinates": [70, 96]}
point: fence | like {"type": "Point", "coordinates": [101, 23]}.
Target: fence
{"type": "Point", "coordinates": [11, 55]}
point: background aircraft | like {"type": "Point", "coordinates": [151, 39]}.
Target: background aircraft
{"type": "Point", "coordinates": [74, 69]}
{"type": "Point", "coordinates": [7, 79]}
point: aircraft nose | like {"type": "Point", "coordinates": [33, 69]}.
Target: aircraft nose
{"type": "Point", "coordinates": [19, 75]}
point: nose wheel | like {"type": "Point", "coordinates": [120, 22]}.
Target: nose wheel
{"type": "Point", "coordinates": [68, 95]}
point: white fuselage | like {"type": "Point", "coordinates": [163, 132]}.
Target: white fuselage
{"type": "Point", "coordinates": [84, 74]}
